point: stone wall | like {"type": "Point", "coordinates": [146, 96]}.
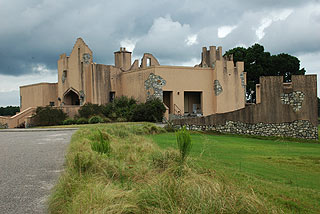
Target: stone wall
{"type": "Point", "coordinates": [288, 110]}
{"type": "Point", "coordinates": [3, 126]}
{"type": "Point", "coordinates": [297, 129]}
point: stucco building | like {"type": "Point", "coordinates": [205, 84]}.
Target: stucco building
{"type": "Point", "coordinates": [216, 85]}
{"type": "Point", "coordinates": [212, 93]}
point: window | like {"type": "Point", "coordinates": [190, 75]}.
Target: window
{"type": "Point", "coordinates": [112, 96]}
{"type": "Point", "coordinates": [148, 62]}
{"type": "Point", "coordinates": [51, 104]}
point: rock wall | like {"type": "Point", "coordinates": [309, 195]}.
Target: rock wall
{"type": "Point", "coordinates": [297, 129]}
{"type": "Point", "coordinates": [3, 126]}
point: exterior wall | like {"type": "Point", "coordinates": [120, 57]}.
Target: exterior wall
{"type": "Point", "coordinates": [188, 79]}
{"type": "Point", "coordinates": [275, 108]}
{"type": "Point", "coordinates": [132, 83]}
{"type": "Point", "coordinates": [77, 65]}
{"type": "Point", "coordinates": [232, 83]}
{"type": "Point", "coordinates": [38, 95]}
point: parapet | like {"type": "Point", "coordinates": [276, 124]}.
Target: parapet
{"type": "Point", "coordinates": [209, 57]}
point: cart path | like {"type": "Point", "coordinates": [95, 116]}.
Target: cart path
{"type": "Point", "coordinates": [30, 164]}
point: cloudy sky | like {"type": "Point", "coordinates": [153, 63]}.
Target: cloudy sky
{"type": "Point", "coordinates": [34, 33]}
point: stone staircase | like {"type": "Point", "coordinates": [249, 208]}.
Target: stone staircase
{"type": "Point", "coordinates": [16, 120]}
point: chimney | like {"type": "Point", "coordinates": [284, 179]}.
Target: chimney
{"type": "Point", "coordinates": [122, 59]}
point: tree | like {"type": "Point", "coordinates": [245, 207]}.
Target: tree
{"type": "Point", "coordinates": [258, 63]}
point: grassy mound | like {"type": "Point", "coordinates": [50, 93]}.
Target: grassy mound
{"type": "Point", "coordinates": [136, 176]}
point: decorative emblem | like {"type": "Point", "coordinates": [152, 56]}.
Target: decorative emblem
{"type": "Point", "coordinates": [217, 87]}
{"type": "Point", "coordinates": [154, 85]}
{"type": "Point", "coordinates": [64, 76]}
{"type": "Point", "coordinates": [82, 96]}
{"type": "Point", "coordinates": [294, 99]}
{"type": "Point", "coordinates": [86, 58]}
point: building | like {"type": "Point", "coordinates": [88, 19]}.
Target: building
{"type": "Point", "coordinates": [216, 85]}
{"type": "Point", "coordinates": [208, 96]}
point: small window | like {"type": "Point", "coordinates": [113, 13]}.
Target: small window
{"type": "Point", "coordinates": [148, 62]}
{"type": "Point", "coordinates": [112, 96]}
{"type": "Point", "coordinates": [65, 73]}
{"type": "Point", "coordinates": [51, 104]}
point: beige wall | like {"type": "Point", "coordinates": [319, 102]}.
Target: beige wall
{"type": "Point", "coordinates": [233, 94]}
{"type": "Point", "coordinates": [76, 68]}
{"type": "Point", "coordinates": [188, 79]}
{"type": "Point", "coordinates": [132, 83]}
{"type": "Point", "coordinates": [40, 94]}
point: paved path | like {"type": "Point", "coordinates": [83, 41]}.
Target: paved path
{"type": "Point", "coordinates": [30, 164]}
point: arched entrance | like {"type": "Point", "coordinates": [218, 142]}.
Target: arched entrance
{"type": "Point", "coordinates": [71, 98]}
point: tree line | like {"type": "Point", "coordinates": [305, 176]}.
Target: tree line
{"type": "Point", "coordinates": [9, 110]}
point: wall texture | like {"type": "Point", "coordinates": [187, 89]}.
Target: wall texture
{"type": "Point", "coordinates": [283, 111]}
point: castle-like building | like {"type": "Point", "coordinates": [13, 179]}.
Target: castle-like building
{"type": "Point", "coordinates": [216, 85]}
{"type": "Point", "coordinates": [211, 95]}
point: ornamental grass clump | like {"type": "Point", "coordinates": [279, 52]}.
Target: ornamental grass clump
{"type": "Point", "coordinates": [102, 146]}
{"type": "Point", "coordinates": [184, 143]}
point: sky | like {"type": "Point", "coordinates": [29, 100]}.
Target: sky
{"type": "Point", "coordinates": [34, 33]}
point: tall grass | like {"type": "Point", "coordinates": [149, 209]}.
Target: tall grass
{"type": "Point", "coordinates": [102, 146]}
{"type": "Point", "coordinates": [184, 143]}
{"type": "Point", "coordinates": [137, 177]}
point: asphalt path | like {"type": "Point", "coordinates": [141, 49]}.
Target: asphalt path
{"type": "Point", "coordinates": [30, 164]}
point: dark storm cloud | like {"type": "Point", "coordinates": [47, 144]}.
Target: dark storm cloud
{"type": "Point", "coordinates": [35, 32]}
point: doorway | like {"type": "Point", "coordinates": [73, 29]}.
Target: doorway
{"type": "Point", "coordinates": [192, 103]}
{"type": "Point", "coordinates": [71, 98]}
{"type": "Point", "coordinates": [167, 100]}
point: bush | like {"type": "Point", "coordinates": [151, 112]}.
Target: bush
{"type": "Point", "coordinates": [151, 111]}
{"type": "Point", "coordinates": [107, 120]}
{"type": "Point", "coordinates": [69, 121]}
{"type": "Point", "coordinates": [170, 127]}
{"type": "Point", "coordinates": [88, 110]}
{"type": "Point", "coordinates": [82, 121]}
{"type": "Point", "coordinates": [48, 116]}
{"type": "Point", "coordinates": [184, 143]}
{"type": "Point", "coordinates": [102, 146]}
{"type": "Point", "coordinates": [95, 119]}
{"type": "Point", "coordinates": [121, 107]}
{"type": "Point", "coordinates": [121, 119]}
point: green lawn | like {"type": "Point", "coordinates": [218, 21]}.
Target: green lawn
{"type": "Point", "coordinates": [286, 173]}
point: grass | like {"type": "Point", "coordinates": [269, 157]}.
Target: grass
{"type": "Point", "coordinates": [138, 176]}
{"type": "Point", "coordinates": [285, 173]}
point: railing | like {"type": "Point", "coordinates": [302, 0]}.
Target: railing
{"type": "Point", "coordinates": [176, 110]}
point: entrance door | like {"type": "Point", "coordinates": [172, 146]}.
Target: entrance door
{"type": "Point", "coordinates": [167, 100]}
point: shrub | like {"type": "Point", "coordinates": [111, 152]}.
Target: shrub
{"type": "Point", "coordinates": [88, 110]}
{"type": "Point", "coordinates": [107, 120]}
{"type": "Point", "coordinates": [170, 127]}
{"type": "Point", "coordinates": [95, 119]}
{"type": "Point", "coordinates": [48, 116]}
{"type": "Point", "coordinates": [69, 121]}
{"type": "Point", "coordinates": [151, 111]}
{"type": "Point", "coordinates": [102, 146]}
{"type": "Point", "coordinates": [121, 107]}
{"type": "Point", "coordinates": [184, 143]}
{"type": "Point", "coordinates": [121, 119]}
{"type": "Point", "coordinates": [82, 121]}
